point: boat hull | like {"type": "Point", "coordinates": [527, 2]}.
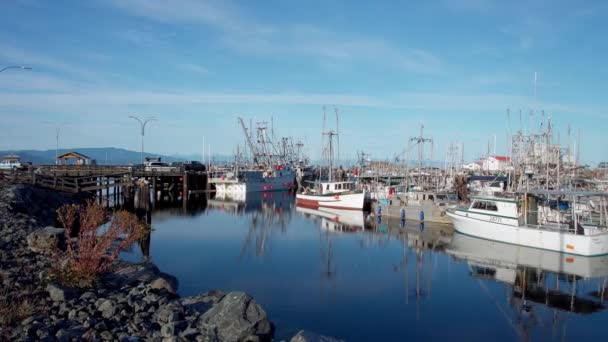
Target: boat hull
{"type": "Point", "coordinates": [508, 256]}
{"type": "Point", "coordinates": [530, 236]}
{"type": "Point", "coordinates": [282, 183]}
{"type": "Point", "coordinates": [345, 201]}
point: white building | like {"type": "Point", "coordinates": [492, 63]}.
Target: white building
{"type": "Point", "coordinates": [496, 164]}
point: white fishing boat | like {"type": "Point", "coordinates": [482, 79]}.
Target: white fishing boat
{"type": "Point", "coordinates": [516, 221]}
{"type": "Point", "coordinates": [331, 193]}
{"type": "Point", "coordinates": [511, 257]}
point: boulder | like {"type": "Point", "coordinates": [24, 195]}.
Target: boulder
{"type": "Point", "coordinates": [168, 283]}
{"type": "Point", "coordinates": [47, 240]}
{"type": "Point", "coordinates": [308, 336]}
{"type": "Point", "coordinates": [107, 309]}
{"type": "Point", "coordinates": [60, 293]}
{"type": "Point", "coordinates": [237, 317]}
{"type": "Point", "coordinates": [126, 273]}
{"type": "Point", "coordinates": [203, 302]}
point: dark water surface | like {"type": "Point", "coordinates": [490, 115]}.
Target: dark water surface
{"type": "Point", "coordinates": [354, 278]}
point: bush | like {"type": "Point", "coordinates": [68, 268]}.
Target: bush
{"type": "Point", "coordinates": [13, 310]}
{"type": "Point", "coordinates": [95, 248]}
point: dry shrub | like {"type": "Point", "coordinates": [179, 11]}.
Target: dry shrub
{"type": "Point", "coordinates": [14, 310]}
{"type": "Point", "coordinates": [95, 248]}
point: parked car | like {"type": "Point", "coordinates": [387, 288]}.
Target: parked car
{"type": "Point", "coordinates": [11, 164]}
{"type": "Point", "coordinates": [159, 167]}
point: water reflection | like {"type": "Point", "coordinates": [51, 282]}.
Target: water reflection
{"type": "Point", "coordinates": [362, 278]}
{"type": "Point", "coordinates": [544, 288]}
{"type": "Point", "coordinates": [266, 213]}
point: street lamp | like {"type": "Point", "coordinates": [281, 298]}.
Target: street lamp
{"type": "Point", "coordinates": [143, 124]}
{"type": "Point", "coordinates": [15, 67]}
{"type": "Point", "coordinates": [57, 131]}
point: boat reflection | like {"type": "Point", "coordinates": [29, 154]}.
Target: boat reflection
{"type": "Point", "coordinates": [544, 287]}
{"type": "Point", "coordinates": [420, 245]}
{"type": "Point", "coordinates": [267, 213]}
{"type": "Point", "coordinates": [335, 220]}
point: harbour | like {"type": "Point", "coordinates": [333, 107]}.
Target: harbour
{"type": "Point", "coordinates": [280, 171]}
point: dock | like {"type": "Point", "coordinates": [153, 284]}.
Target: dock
{"type": "Point", "coordinates": [117, 181]}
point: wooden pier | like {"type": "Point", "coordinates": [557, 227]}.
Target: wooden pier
{"type": "Point", "coordinates": [118, 182]}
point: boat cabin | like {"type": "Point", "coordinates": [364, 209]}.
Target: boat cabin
{"type": "Point", "coordinates": [495, 206]}
{"type": "Point", "coordinates": [337, 187]}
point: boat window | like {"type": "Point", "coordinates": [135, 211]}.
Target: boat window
{"type": "Point", "coordinates": [479, 205]}
{"type": "Point", "coordinates": [491, 206]}
{"type": "Point", "coordinates": [327, 188]}
{"type": "Point", "coordinates": [338, 186]}
{"type": "Point", "coordinates": [431, 197]}
{"type": "Point", "coordinates": [485, 205]}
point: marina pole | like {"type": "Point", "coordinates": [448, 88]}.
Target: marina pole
{"type": "Point", "coordinates": [142, 124]}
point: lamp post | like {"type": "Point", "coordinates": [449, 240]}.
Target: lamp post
{"type": "Point", "coordinates": [143, 124]}
{"type": "Point", "coordinates": [57, 131]}
{"type": "Point", "coordinates": [16, 67]}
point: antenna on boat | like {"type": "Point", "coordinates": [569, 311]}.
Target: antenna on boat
{"type": "Point", "coordinates": [322, 140]}
{"type": "Point", "coordinates": [337, 131]}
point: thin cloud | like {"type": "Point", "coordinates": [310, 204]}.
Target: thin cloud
{"type": "Point", "coordinates": [427, 102]}
{"type": "Point", "coordinates": [195, 68]}
{"type": "Point", "coordinates": [246, 35]}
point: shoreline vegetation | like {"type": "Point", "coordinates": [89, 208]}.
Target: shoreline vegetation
{"type": "Point", "coordinates": [64, 284]}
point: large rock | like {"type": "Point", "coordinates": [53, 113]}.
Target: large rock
{"type": "Point", "coordinates": [203, 302]}
{"type": "Point", "coordinates": [166, 283]}
{"type": "Point", "coordinates": [237, 317]}
{"type": "Point", "coordinates": [126, 273]}
{"type": "Point", "coordinates": [308, 336]}
{"type": "Point", "coordinates": [47, 240]}
{"type": "Point", "coordinates": [60, 293]}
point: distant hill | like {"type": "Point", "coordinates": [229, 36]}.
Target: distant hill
{"type": "Point", "coordinates": [113, 156]}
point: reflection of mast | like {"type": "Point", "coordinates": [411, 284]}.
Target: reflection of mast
{"type": "Point", "coordinates": [264, 219]}
{"type": "Point", "coordinates": [328, 273]}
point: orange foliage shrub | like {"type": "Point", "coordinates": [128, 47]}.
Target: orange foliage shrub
{"type": "Point", "coordinates": [97, 244]}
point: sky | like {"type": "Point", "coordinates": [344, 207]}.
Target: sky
{"type": "Point", "coordinates": [454, 66]}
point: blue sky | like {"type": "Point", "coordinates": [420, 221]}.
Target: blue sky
{"type": "Point", "coordinates": [453, 65]}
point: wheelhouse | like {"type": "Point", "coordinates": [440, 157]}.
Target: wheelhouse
{"type": "Point", "coordinates": [337, 187]}
{"type": "Point", "coordinates": [494, 206]}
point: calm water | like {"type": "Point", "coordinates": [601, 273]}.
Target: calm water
{"type": "Point", "coordinates": [362, 280]}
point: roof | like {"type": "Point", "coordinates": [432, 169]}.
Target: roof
{"type": "Point", "coordinates": [502, 158]}
{"type": "Point", "coordinates": [11, 157]}
{"type": "Point", "coordinates": [72, 154]}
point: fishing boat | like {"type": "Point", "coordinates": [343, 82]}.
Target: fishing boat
{"type": "Point", "coordinates": [519, 221]}
{"type": "Point", "coordinates": [278, 179]}
{"type": "Point", "coordinates": [270, 170]}
{"type": "Point", "coordinates": [331, 193]}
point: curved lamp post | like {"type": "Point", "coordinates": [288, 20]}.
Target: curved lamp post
{"type": "Point", "coordinates": [16, 67]}
{"type": "Point", "coordinates": [143, 124]}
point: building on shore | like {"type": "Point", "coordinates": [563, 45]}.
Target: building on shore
{"type": "Point", "coordinates": [74, 158]}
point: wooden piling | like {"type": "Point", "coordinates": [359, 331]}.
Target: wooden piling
{"type": "Point", "coordinates": [154, 192]}
{"type": "Point", "coordinates": [185, 188]}
{"type": "Point", "coordinates": [107, 192]}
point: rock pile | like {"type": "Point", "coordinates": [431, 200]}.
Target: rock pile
{"type": "Point", "coordinates": [133, 302]}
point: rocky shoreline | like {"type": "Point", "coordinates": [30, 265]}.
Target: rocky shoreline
{"type": "Point", "coordinates": [133, 302]}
